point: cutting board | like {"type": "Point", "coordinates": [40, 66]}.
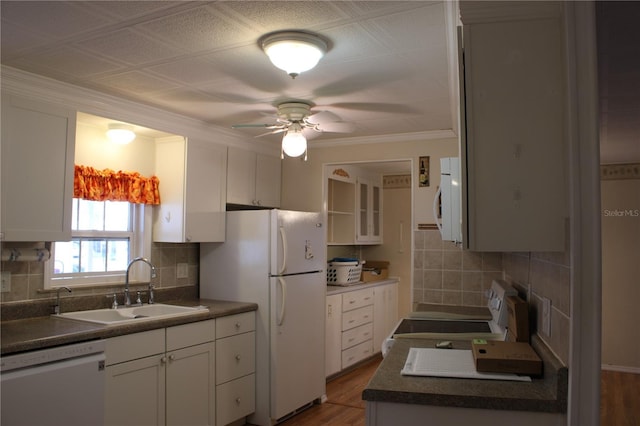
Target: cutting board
{"type": "Point", "coordinates": [456, 363]}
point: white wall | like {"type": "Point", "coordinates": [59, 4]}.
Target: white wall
{"type": "Point", "coordinates": [302, 181]}
{"type": "Point", "coordinates": [95, 150]}
{"type": "Point", "coordinates": [620, 272]}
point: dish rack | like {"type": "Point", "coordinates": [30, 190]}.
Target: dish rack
{"type": "Point", "coordinates": [344, 272]}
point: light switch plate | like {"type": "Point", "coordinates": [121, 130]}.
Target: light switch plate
{"type": "Point", "coordinates": [6, 282]}
{"type": "Point", "coordinates": [182, 270]}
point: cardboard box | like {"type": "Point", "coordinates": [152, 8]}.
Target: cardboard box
{"type": "Point", "coordinates": [493, 356]}
{"type": "Point", "coordinates": [518, 320]}
{"type": "Point", "coordinates": [375, 270]}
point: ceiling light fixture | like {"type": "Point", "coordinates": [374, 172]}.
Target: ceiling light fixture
{"type": "Point", "coordinates": [293, 51]}
{"type": "Point", "coordinates": [120, 133]}
{"type": "Point", "coordinates": [294, 144]}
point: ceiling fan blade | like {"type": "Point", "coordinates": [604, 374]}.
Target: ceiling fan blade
{"type": "Point", "coordinates": [337, 127]}
{"type": "Point", "coordinates": [271, 132]}
{"type": "Point", "coordinates": [265, 126]}
{"type": "Point", "coordinates": [322, 116]}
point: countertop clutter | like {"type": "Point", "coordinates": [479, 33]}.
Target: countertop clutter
{"type": "Point", "coordinates": [545, 394]}
{"type": "Point", "coordinates": [42, 332]}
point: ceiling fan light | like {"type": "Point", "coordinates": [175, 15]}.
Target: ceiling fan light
{"type": "Point", "coordinates": [120, 133]}
{"type": "Point", "coordinates": [294, 144]}
{"type": "Point", "coordinates": [294, 52]}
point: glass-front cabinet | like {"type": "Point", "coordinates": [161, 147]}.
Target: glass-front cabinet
{"type": "Point", "coordinates": [369, 219]}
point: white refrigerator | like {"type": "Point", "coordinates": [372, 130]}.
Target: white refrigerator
{"type": "Point", "coordinates": [277, 259]}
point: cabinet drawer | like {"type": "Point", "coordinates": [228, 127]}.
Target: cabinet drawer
{"type": "Point", "coordinates": [357, 335]}
{"type": "Point", "coordinates": [357, 353]}
{"type": "Point", "coordinates": [235, 399]}
{"type": "Point", "coordinates": [357, 299]}
{"type": "Point", "coordinates": [133, 346]}
{"type": "Point", "coordinates": [235, 357]}
{"type": "Point", "coordinates": [235, 324]}
{"type": "Point", "coordinates": [357, 317]}
{"type": "Point", "coordinates": [181, 336]}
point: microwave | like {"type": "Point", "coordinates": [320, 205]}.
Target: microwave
{"type": "Point", "coordinates": [447, 205]}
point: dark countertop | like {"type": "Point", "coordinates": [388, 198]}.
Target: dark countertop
{"type": "Point", "coordinates": [43, 332]}
{"type": "Point", "coordinates": [545, 394]}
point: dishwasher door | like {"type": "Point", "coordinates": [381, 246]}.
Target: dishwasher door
{"type": "Point", "coordinates": [58, 386]}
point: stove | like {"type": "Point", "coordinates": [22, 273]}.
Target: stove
{"type": "Point", "coordinates": [454, 326]}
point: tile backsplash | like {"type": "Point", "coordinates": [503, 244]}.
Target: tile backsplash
{"type": "Point", "coordinates": [445, 274]}
{"type": "Point", "coordinates": [27, 278]}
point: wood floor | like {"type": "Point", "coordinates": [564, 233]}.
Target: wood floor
{"type": "Point", "coordinates": [344, 404]}
{"type": "Point", "coordinates": [619, 406]}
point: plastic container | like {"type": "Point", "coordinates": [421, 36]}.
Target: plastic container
{"type": "Point", "coordinates": [343, 272]}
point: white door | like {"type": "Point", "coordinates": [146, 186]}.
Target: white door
{"type": "Point", "coordinates": [299, 240]}
{"type": "Point", "coordinates": [297, 341]}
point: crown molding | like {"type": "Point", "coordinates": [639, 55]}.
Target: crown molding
{"type": "Point", "coordinates": [44, 89]}
{"type": "Point", "coordinates": [397, 137]}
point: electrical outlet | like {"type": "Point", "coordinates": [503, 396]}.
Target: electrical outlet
{"type": "Point", "coordinates": [546, 316]}
{"type": "Point", "coordinates": [182, 270]}
{"type": "Point", "coordinates": [6, 282]}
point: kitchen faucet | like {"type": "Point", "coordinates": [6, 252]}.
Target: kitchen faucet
{"type": "Point", "coordinates": [127, 299]}
{"type": "Point", "coordinates": [56, 307]}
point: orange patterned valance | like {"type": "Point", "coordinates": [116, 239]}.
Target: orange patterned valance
{"type": "Point", "coordinates": [107, 185]}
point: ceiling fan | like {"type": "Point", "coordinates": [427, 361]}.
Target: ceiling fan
{"type": "Point", "coordinates": [298, 124]}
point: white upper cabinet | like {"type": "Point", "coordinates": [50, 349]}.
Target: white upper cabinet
{"type": "Point", "coordinates": [38, 145]}
{"type": "Point", "coordinates": [514, 108]}
{"type": "Point", "coordinates": [253, 179]}
{"type": "Point", "coordinates": [192, 177]}
{"type": "Point", "coordinates": [369, 211]}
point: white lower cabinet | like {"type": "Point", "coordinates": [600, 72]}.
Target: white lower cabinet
{"type": "Point", "coordinates": [182, 375]}
{"type": "Point", "coordinates": [356, 323]}
{"type": "Point", "coordinates": [235, 367]}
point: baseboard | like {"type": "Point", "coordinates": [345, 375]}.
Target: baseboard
{"type": "Point", "coordinates": [621, 368]}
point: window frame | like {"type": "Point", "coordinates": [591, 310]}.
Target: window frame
{"type": "Point", "coordinates": [140, 246]}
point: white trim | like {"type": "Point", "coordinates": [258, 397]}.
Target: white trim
{"type": "Point", "coordinates": [586, 270]}
{"type": "Point", "coordinates": [621, 368]}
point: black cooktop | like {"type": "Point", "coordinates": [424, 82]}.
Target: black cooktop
{"type": "Point", "coordinates": [441, 326]}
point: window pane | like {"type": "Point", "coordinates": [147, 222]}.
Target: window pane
{"type": "Point", "coordinates": [91, 215]}
{"type": "Point", "coordinates": [117, 216]}
{"type": "Point", "coordinates": [93, 254]}
{"type": "Point", "coordinates": [118, 255]}
{"type": "Point", "coordinates": [74, 215]}
{"type": "Point", "coordinates": [67, 257]}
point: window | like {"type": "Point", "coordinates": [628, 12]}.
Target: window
{"type": "Point", "coordinates": [106, 235]}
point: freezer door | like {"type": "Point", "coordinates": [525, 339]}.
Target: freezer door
{"type": "Point", "coordinates": [297, 341]}
{"type": "Point", "coordinates": [299, 241]}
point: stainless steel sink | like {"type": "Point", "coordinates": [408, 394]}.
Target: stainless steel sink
{"type": "Point", "coordinates": [131, 314]}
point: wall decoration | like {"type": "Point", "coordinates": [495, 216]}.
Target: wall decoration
{"type": "Point", "coordinates": [396, 181]}
{"type": "Point", "coordinates": [423, 171]}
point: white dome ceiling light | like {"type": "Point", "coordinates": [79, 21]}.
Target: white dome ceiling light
{"type": "Point", "coordinates": [120, 133]}
{"type": "Point", "coordinates": [294, 51]}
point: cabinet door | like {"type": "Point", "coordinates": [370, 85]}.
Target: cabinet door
{"type": "Point", "coordinates": [368, 212]}
{"type": "Point", "coordinates": [241, 176]}
{"type": "Point", "coordinates": [206, 186]}
{"type": "Point", "coordinates": [190, 389]}
{"type": "Point", "coordinates": [135, 392]}
{"type": "Point", "coordinates": [333, 341]}
{"type": "Point", "coordinates": [385, 313]}
{"type": "Point", "coordinates": [38, 146]}
{"type": "Point", "coordinates": [192, 177]}
{"type": "Point", "coordinates": [515, 147]}
{"type": "Point", "coordinates": [268, 179]}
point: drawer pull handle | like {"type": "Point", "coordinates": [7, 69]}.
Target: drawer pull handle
{"type": "Point", "coordinates": [238, 401]}
{"type": "Point", "coordinates": [172, 358]}
{"type": "Point", "coordinates": [237, 326]}
{"type": "Point", "coordinates": [351, 302]}
{"type": "Point", "coordinates": [163, 360]}
{"type": "Point", "coordinates": [238, 357]}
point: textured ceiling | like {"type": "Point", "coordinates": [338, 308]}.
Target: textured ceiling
{"type": "Point", "coordinates": [387, 69]}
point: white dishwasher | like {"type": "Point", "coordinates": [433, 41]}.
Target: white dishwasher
{"type": "Point", "coordinates": [63, 385]}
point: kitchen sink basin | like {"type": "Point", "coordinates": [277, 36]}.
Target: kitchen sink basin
{"type": "Point", "coordinates": [131, 314]}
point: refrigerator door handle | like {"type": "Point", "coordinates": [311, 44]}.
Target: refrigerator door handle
{"type": "Point", "coordinates": [283, 238]}
{"type": "Point", "coordinates": [435, 208]}
{"type": "Point", "coordinates": [283, 288]}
